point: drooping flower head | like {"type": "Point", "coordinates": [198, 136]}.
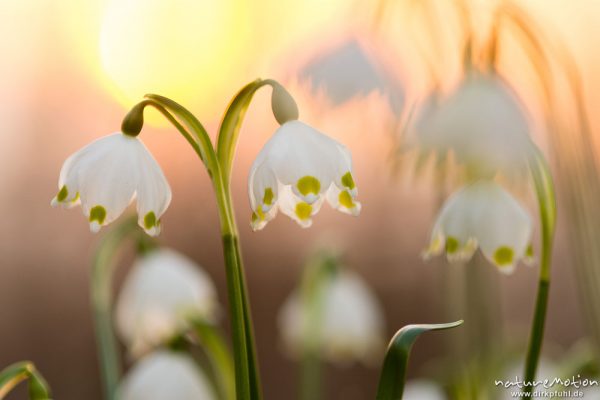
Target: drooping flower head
{"type": "Point", "coordinates": [106, 175]}
{"type": "Point", "coordinates": [166, 375]}
{"type": "Point", "coordinates": [482, 123]}
{"type": "Point", "coordinates": [350, 325]}
{"type": "Point", "coordinates": [483, 215]}
{"type": "Point", "coordinates": [162, 292]}
{"type": "Point", "coordinates": [296, 170]}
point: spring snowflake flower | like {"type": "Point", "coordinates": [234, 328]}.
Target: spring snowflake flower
{"type": "Point", "coordinates": [297, 169]}
{"type": "Point", "coordinates": [163, 291]}
{"type": "Point", "coordinates": [106, 175]}
{"type": "Point", "coordinates": [483, 215]}
{"type": "Point", "coordinates": [166, 375]}
{"type": "Point", "coordinates": [351, 323]}
{"type": "Point", "coordinates": [482, 123]}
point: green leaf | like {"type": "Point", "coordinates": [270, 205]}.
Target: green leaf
{"type": "Point", "coordinates": [219, 357]}
{"type": "Point", "coordinates": [393, 373]}
{"type": "Point", "coordinates": [14, 374]}
{"type": "Point", "coordinates": [231, 124]}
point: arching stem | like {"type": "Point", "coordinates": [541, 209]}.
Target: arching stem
{"type": "Point", "coordinates": [544, 187]}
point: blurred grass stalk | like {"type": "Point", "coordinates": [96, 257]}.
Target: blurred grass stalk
{"type": "Point", "coordinates": [574, 156]}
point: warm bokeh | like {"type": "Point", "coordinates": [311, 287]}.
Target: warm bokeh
{"type": "Point", "coordinates": [70, 70]}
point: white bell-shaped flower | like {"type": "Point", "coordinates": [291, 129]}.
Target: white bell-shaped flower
{"type": "Point", "coordinates": [483, 215]}
{"type": "Point", "coordinates": [482, 123]}
{"type": "Point", "coordinates": [106, 175]}
{"type": "Point", "coordinates": [166, 375]}
{"type": "Point", "coordinates": [297, 169]}
{"type": "Point", "coordinates": [160, 295]}
{"type": "Point", "coordinates": [350, 323]}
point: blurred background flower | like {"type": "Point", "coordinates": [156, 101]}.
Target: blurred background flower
{"type": "Point", "coordinates": [71, 69]}
{"type": "Point", "coordinates": [164, 375]}
{"type": "Point", "coordinates": [161, 295]}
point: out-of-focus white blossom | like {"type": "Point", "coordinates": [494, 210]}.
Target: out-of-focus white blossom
{"type": "Point", "coordinates": [483, 215]}
{"type": "Point", "coordinates": [163, 290]}
{"type": "Point", "coordinates": [106, 175]}
{"type": "Point", "coordinates": [296, 170]}
{"type": "Point", "coordinates": [482, 123]}
{"type": "Point", "coordinates": [166, 375]}
{"type": "Point", "coordinates": [350, 325]}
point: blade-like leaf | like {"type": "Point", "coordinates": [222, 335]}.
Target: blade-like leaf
{"type": "Point", "coordinates": [219, 357]}
{"type": "Point", "coordinates": [232, 122]}
{"type": "Point", "coordinates": [14, 374]}
{"type": "Point", "coordinates": [393, 373]}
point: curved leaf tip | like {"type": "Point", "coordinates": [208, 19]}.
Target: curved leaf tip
{"type": "Point", "coordinates": [393, 373]}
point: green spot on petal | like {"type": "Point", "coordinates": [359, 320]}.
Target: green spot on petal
{"type": "Point", "coordinates": [346, 200]}
{"type": "Point", "coordinates": [98, 214]}
{"type": "Point", "coordinates": [504, 255]}
{"type": "Point", "coordinates": [268, 197]}
{"type": "Point", "coordinates": [303, 211]}
{"type": "Point", "coordinates": [308, 184]}
{"type": "Point", "coordinates": [150, 220]}
{"type": "Point", "coordinates": [63, 193]}
{"type": "Point", "coordinates": [348, 181]}
{"type": "Point", "coordinates": [529, 251]}
{"type": "Point", "coordinates": [452, 245]}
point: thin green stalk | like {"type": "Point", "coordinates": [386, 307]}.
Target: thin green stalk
{"type": "Point", "coordinates": [101, 293]}
{"type": "Point", "coordinates": [544, 187]}
{"type": "Point", "coordinates": [310, 386]}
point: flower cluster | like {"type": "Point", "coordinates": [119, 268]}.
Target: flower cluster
{"type": "Point", "coordinates": [485, 127]}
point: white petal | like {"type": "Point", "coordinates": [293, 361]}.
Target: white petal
{"type": "Point", "coordinates": [166, 375]}
{"type": "Point", "coordinates": [162, 290]}
{"type": "Point", "coordinates": [302, 157]}
{"type": "Point", "coordinates": [297, 209]}
{"type": "Point", "coordinates": [452, 230]}
{"type": "Point", "coordinates": [263, 187]}
{"type": "Point", "coordinates": [74, 166]}
{"type": "Point", "coordinates": [504, 229]}
{"type": "Point", "coordinates": [107, 182]}
{"type": "Point", "coordinates": [153, 191]}
{"type": "Point", "coordinates": [343, 200]}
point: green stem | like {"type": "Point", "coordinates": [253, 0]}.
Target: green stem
{"type": "Point", "coordinates": [101, 292]}
{"type": "Point", "coordinates": [311, 376]}
{"type": "Point", "coordinates": [547, 208]}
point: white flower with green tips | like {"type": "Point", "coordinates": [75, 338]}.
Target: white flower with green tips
{"type": "Point", "coordinates": [166, 375]}
{"type": "Point", "coordinates": [297, 169]}
{"type": "Point", "coordinates": [483, 215]}
{"type": "Point", "coordinates": [107, 175]}
{"type": "Point", "coordinates": [161, 293]}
